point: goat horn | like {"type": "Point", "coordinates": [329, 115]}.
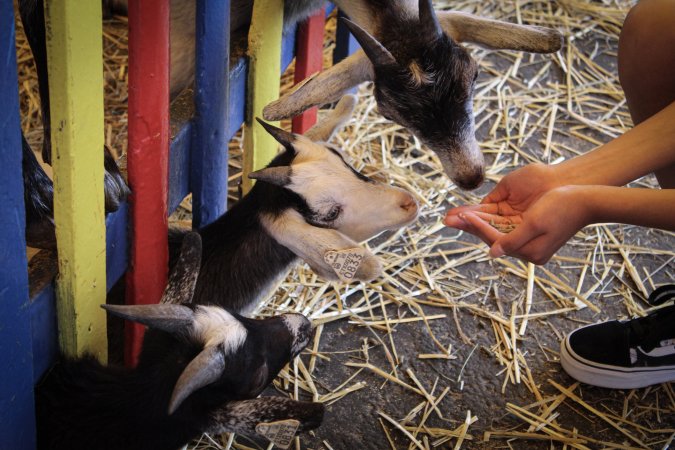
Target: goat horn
{"type": "Point", "coordinates": [428, 20]}
{"type": "Point", "coordinates": [282, 136]}
{"type": "Point", "coordinates": [183, 278]}
{"type": "Point", "coordinates": [203, 370]}
{"type": "Point", "coordinates": [279, 176]}
{"type": "Point", "coordinates": [375, 51]}
{"type": "Point", "coordinates": [169, 318]}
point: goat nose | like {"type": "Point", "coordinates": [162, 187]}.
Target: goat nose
{"type": "Point", "coordinates": [409, 204]}
{"type": "Point", "coordinates": [471, 181]}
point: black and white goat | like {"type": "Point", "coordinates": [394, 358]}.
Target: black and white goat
{"type": "Point", "coordinates": [308, 203]}
{"type": "Point", "coordinates": [200, 370]}
{"type": "Point", "coordinates": [424, 79]}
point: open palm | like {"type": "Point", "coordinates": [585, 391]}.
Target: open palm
{"type": "Point", "coordinates": [504, 206]}
{"type": "Point", "coordinates": [528, 215]}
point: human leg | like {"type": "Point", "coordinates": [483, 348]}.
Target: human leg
{"type": "Point", "coordinates": [647, 65]}
{"type": "Point", "coordinates": [638, 352]}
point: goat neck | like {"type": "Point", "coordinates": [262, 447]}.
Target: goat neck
{"type": "Point", "coordinates": [241, 261]}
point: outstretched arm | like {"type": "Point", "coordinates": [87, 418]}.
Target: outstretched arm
{"type": "Point", "coordinates": [642, 150]}
{"type": "Point", "coordinates": [558, 214]}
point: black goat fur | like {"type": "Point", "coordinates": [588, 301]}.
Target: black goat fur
{"type": "Point", "coordinates": [239, 256]}
{"type": "Point", "coordinates": [82, 404]}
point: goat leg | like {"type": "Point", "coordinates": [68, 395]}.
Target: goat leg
{"type": "Point", "coordinates": [33, 20]}
{"type": "Point", "coordinates": [496, 34]}
{"type": "Point", "coordinates": [325, 87]}
{"type": "Point", "coordinates": [38, 196]}
{"type": "Point", "coordinates": [243, 416]}
{"type": "Point", "coordinates": [114, 186]}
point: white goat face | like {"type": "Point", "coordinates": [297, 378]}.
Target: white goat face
{"type": "Point", "coordinates": [337, 196]}
{"type": "Point", "coordinates": [344, 199]}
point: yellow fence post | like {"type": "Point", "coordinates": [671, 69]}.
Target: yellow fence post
{"type": "Point", "coordinates": [75, 61]}
{"type": "Point", "coordinates": [264, 48]}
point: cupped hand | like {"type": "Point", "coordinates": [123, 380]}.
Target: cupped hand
{"type": "Point", "coordinates": [527, 215]}
{"type": "Point", "coordinates": [504, 205]}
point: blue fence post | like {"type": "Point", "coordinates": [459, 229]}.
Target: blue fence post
{"type": "Point", "coordinates": [208, 173]}
{"type": "Point", "coordinates": [345, 43]}
{"type": "Point", "coordinates": [17, 410]}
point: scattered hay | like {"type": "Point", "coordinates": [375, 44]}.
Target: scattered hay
{"type": "Point", "coordinates": [467, 314]}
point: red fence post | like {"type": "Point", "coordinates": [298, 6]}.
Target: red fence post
{"type": "Point", "coordinates": [308, 61]}
{"type": "Point", "coordinates": [148, 158]}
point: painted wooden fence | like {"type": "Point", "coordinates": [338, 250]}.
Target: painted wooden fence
{"type": "Point", "coordinates": [165, 163]}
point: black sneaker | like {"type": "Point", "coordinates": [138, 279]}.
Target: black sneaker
{"type": "Point", "coordinates": [625, 355]}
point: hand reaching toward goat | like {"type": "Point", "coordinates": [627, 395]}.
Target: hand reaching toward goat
{"type": "Point", "coordinates": [528, 202]}
{"type": "Point", "coordinates": [544, 206]}
{"type": "Point", "coordinates": [512, 196]}
{"type": "Point", "coordinates": [541, 224]}
{"type": "Point", "coordinates": [544, 213]}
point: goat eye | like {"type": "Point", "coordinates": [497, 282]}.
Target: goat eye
{"type": "Point", "coordinates": [333, 213]}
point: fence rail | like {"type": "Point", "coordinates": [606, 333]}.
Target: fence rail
{"type": "Point", "coordinates": [166, 162]}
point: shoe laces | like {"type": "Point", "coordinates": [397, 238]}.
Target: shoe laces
{"type": "Point", "coordinates": [647, 332]}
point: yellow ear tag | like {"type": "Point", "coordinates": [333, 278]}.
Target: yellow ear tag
{"type": "Point", "coordinates": [279, 433]}
{"type": "Point", "coordinates": [345, 263]}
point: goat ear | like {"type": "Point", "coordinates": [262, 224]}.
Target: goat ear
{"type": "Point", "coordinates": [428, 20]}
{"type": "Point", "coordinates": [249, 417]}
{"type": "Point", "coordinates": [316, 246]}
{"type": "Point", "coordinates": [324, 130]}
{"type": "Point", "coordinates": [183, 278]}
{"type": "Point", "coordinates": [375, 51]}
{"type": "Point", "coordinates": [495, 34]}
{"type": "Point", "coordinates": [204, 369]}
{"type": "Point", "coordinates": [283, 137]}
{"type": "Point", "coordinates": [279, 176]}
{"type": "Point", "coordinates": [169, 318]}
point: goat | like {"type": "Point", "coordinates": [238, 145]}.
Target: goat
{"type": "Point", "coordinates": [423, 78]}
{"type": "Point", "coordinates": [308, 203]}
{"type": "Point", "coordinates": [200, 370]}
{"type": "Point", "coordinates": [38, 189]}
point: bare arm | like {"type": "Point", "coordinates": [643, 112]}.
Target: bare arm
{"type": "Point", "coordinates": [643, 207]}
{"type": "Point", "coordinates": [642, 150]}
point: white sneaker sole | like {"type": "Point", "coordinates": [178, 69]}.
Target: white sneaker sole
{"type": "Point", "coordinates": [613, 377]}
